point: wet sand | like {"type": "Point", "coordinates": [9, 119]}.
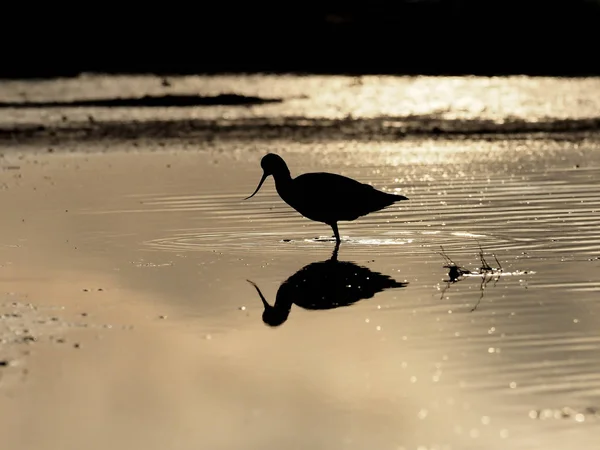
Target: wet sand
{"type": "Point", "coordinates": [128, 321]}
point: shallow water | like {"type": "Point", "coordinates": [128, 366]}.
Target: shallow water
{"type": "Point", "coordinates": [485, 362]}
{"type": "Point", "coordinates": [129, 265]}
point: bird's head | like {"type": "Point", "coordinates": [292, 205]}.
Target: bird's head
{"type": "Point", "coordinates": [272, 164]}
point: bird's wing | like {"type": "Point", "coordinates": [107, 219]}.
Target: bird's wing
{"type": "Point", "coordinates": [330, 187]}
{"type": "Point", "coordinates": [323, 196]}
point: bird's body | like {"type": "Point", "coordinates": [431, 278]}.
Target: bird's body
{"type": "Point", "coordinates": [325, 197]}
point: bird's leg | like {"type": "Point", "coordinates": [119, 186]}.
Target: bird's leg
{"type": "Point", "coordinates": [334, 227]}
{"type": "Point", "coordinates": [334, 254]}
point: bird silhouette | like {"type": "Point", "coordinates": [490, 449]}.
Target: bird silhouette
{"type": "Point", "coordinates": [324, 285]}
{"type": "Point", "coordinates": [324, 197]}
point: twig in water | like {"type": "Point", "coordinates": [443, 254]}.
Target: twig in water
{"type": "Point", "coordinates": [455, 272]}
{"type": "Point", "coordinates": [487, 272]}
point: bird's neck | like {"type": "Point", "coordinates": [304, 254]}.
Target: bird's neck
{"type": "Point", "coordinates": [283, 181]}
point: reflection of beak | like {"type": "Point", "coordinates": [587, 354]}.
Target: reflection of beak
{"type": "Point", "coordinates": [262, 180]}
{"type": "Point", "coordinates": [264, 301]}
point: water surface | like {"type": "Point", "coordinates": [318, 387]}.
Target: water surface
{"type": "Point", "coordinates": [155, 245]}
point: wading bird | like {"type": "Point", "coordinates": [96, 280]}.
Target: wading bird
{"type": "Point", "coordinates": [324, 197]}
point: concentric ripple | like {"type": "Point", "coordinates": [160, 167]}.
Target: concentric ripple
{"type": "Point", "coordinates": [545, 213]}
{"type": "Point", "coordinates": [412, 241]}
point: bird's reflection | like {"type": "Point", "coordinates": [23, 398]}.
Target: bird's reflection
{"type": "Point", "coordinates": [325, 285]}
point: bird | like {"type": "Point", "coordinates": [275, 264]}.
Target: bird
{"type": "Point", "coordinates": [322, 196]}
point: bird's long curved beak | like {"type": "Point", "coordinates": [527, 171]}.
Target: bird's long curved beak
{"type": "Point", "coordinates": [262, 180]}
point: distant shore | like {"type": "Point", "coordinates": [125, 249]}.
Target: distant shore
{"type": "Point", "coordinates": [299, 130]}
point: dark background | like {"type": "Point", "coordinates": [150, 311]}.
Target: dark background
{"type": "Point", "coordinates": [480, 37]}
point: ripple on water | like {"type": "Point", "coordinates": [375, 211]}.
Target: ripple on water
{"type": "Point", "coordinates": [529, 337]}
{"type": "Point", "coordinates": [542, 212]}
{"type": "Point", "coordinates": [413, 242]}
